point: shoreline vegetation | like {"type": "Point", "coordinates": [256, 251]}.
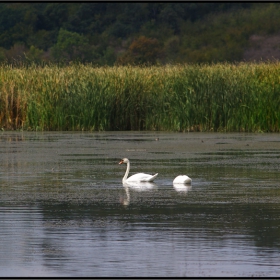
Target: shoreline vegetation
{"type": "Point", "coordinates": [222, 97]}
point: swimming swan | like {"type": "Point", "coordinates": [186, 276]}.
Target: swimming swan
{"type": "Point", "coordinates": [182, 179]}
{"type": "Point", "coordinates": [139, 177]}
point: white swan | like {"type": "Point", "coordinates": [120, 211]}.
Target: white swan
{"type": "Point", "coordinates": [182, 179]}
{"type": "Point", "coordinates": [139, 186]}
{"type": "Point", "coordinates": [139, 177]}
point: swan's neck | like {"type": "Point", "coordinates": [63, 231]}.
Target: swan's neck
{"type": "Point", "coordinates": [127, 171]}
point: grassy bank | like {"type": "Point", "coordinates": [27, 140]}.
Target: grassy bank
{"type": "Point", "coordinates": [218, 97]}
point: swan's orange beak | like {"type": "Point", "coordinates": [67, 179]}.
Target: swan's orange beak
{"type": "Point", "coordinates": [121, 162]}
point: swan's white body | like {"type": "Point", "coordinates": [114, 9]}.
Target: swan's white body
{"type": "Point", "coordinates": [140, 186]}
{"type": "Point", "coordinates": [182, 179]}
{"type": "Point", "coordinates": [139, 177]}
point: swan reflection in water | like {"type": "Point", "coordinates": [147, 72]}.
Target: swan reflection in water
{"type": "Point", "coordinates": [182, 188]}
{"type": "Point", "coordinates": [135, 186]}
{"type": "Point", "coordinates": [125, 201]}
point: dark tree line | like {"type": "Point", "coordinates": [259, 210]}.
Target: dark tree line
{"type": "Point", "coordinates": [121, 33]}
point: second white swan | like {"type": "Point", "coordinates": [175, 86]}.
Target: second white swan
{"type": "Point", "coordinates": [139, 177]}
{"type": "Point", "coordinates": [182, 179]}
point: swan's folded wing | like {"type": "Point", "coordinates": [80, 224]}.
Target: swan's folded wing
{"type": "Point", "coordinates": [152, 177]}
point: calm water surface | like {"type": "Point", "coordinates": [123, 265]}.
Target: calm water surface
{"type": "Point", "coordinates": [65, 212]}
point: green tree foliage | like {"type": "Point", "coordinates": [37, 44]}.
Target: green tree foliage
{"type": "Point", "coordinates": [103, 32]}
{"type": "Point", "coordinates": [70, 46]}
{"type": "Point", "coordinates": [142, 51]}
{"type": "Point", "coordinates": [34, 54]}
{"type": "Point", "coordinates": [8, 19]}
{"type": "Point", "coordinates": [108, 57]}
{"type": "Point", "coordinates": [55, 14]}
{"type": "Point", "coordinates": [2, 55]}
{"type": "Point", "coordinates": [16, 53]}
{"type": "Point", "coordinates": [172, 49]}
{"type": "Point", "coordinates": [87, 18]}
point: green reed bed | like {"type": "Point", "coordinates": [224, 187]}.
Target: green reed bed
{"type": "Point", "coordinates": [218, 97]}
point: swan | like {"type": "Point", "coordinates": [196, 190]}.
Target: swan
{"type": "Point", "coordinates": [182, 179]}
{"type": "Point", "coordinates": [139, 177]}
{"type": "Point", "coordinates": [140, 186]}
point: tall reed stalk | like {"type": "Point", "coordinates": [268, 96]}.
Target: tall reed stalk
{"type": "Point", "coordinates": [218, 97]}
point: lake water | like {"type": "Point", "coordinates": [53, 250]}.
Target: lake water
{"type": "Point", "coordinates": [65, 212]}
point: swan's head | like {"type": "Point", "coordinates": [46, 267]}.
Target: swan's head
{"type": "Point", "coordinates": [124, 160]}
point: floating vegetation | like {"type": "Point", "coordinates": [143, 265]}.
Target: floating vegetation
{"type": "Point", "coordinates": [217, 97]}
